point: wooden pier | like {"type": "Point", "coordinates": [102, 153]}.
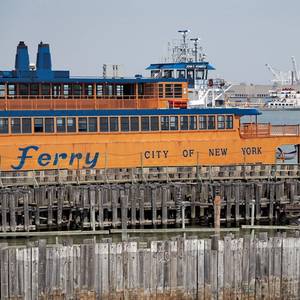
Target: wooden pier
{"type": "Point", "coordinates": [229, 268]}
{"type": "Point", "coordinates": [83, 200]}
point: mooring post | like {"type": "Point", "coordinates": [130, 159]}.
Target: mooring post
{"type": "Point", "coordinates": [252, 217]}
{"type": "Point", "coordinates": [184, 204]}
{"type": "Point", "coordinates": [217, 214]}
{"type": "Point", "coordinates": [124, 204]}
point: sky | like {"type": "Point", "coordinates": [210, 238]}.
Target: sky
{"type": "Point", "coordinates": [238, 36]}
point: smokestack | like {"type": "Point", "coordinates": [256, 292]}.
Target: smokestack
{"type": "Point", "coordinates": [43, 59]}
{"type": "Point", "coordinates": [22, 57]}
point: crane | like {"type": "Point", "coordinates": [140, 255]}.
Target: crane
{"type": "Point", "coordinates": [295, 69]}
{"type": "Point", "coordinates": [277, 75]}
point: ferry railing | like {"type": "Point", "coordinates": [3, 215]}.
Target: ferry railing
{"type": "Point", "coordinates": [248, 130]}
{"type": "Point", "coordinates": [82, 102]}
{"type": "Point", "coordinates": [146, 174]}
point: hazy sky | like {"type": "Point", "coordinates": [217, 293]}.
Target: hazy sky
{"type": "Point", "coordinates": [239, 36]}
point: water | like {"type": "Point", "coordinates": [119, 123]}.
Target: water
{"type": "Point", "coordinates": [281, 117]}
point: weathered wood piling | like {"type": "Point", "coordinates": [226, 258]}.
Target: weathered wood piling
{"type": "Point", "coordinates": [156, 204]}
{"type": "Point", "coordinates": [229, 268]}
{"type": "Point", "coordinates": [143, 197]}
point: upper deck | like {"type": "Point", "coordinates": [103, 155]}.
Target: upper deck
{"type": "Point", "coordinates": [27, 88]}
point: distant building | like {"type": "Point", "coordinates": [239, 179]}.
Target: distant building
{"type": "Point", "coordinates": [247, 92]}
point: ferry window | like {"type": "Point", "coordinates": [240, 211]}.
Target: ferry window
{"type": "Point", "coordinates": [124, 123]}
{"type": "Point", "coordinates": [82, 124]}
{"type": "Point", "coordinates": [99, 90]}
{"type": "Point", "coordinates": [71, 124]}
{"type": "Point", "coordinates": [221, 122]}
{"type": "Point", "coordinates": [190, 75]}
{"type": "Point", "coordinates": [11, 89]}
{"type": "Point", "coordinates": [211, 122]}
{"type": "Point", "coordinates": [173, 123]}
{"type": "Point", "coordinates": [169, 91]}
{"type": "Point", "coordinates": [26, 125]}
{"type": "Point", "coordinates": [56, 88]}
{"type": "Point", "coordinates": [164, 122]}
{"type": "Point", "coordinates": [104, 124]}
{"type": "Point", "coordinates": [177, 91]}
{"type": "Point", "coordinates": [193, 123]}
{"type": "Point", "coordinates": [119, 90]}
{"type": "Point", "coordinates": [200, 74]}
{"type": "Point", "coordinates": [15, 125]}
{"type": "Point", "coordinates": [34, 89]}
{"type": "Point", "coordinates": [145, 124]}
{"type": "Point", "coordinates": [23, 89]}
{"type": "Point", "coordinates": [134, 124]}
{"type": "Point", "coordinates": [49, 125]}
{"type": "Point", "coordinates": [229, 122]}
{"type": "Point", "coordinates": [93, 124]}
{"type": "Point", "coordinates": [60, 124]}
{"type": "Point", "coordinates": [88, 90]}
{"type": "Point", "coordinates": [202, 122]}
{"type": "Point", "coordinates": [141, 89]}
{"type": "Point", "coordinates": [77, 89]}
{"type": "Point", "coordinates": [168, 73]}
{"type": "Point", "coordinates": [38, 125]}
{"type": "Point", "coordinates": [2, 90]}
{"type": "Point", "coordinates": [154, 123]}
{"type": "Point", "coordinates": [181, 73]}
{"type": "Point", "coordinates": [66, 89]}
{"type": "Point", "coordinates": [155, 73]}
{"type": "Point", "coordinates": [160, 91]}
{"type": "Point", "coordinates": [3, 125]}
{"type": "Point", "coordinates": [45, 89]}
{"type": "Point", "coordinates": [113, 124]}
{"type": "Point", "coordinates": [109, 90]}
{"type": "Point", "coordinates": [184, 122]}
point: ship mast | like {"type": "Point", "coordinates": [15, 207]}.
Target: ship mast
{"type": "Point", "coordinates": [184, 47]}
{"type": "Point", "coordinates": [195, 40]}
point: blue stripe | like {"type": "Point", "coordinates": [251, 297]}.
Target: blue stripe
{"type": "Point", "coordinates": [131, 112]}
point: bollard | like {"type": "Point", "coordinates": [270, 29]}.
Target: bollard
{"type": "Point", "coordinates": [217, 214]}
{"type": "Point", "coordinates": [252, 217]}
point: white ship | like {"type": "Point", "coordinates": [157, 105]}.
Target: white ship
{"type": "Point", "coordinates": [285, 98]}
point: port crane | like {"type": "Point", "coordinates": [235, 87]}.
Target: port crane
{"type": "Point", "coordinates": [283, 78]}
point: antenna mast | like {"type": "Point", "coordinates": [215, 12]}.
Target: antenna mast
{"type": "Point", "coordinates": [195, 40]}
{"type": "Point", "coordinates": [184, 44]}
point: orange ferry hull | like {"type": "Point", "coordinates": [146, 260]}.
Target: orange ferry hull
{"type": "Point", "coordinates": [68, 151]}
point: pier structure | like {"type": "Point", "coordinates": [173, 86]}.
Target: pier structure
{"type": "Point", "coordinates": [148, 198]}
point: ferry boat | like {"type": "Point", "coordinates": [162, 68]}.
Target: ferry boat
{"type": "Point", "coordinates": [49, 120]}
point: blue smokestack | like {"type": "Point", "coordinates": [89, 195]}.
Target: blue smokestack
{"type": "Point", "coordinates": [22, 58]}
{"type": "Point", "coordinates": [43, 59]}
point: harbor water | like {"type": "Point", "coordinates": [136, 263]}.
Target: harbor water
{"type": "Point", "coordinates": [278, 117]}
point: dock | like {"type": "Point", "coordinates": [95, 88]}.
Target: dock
{"type": "Point", "coordinates": [143, 198]}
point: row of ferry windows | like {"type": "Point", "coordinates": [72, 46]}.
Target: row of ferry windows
{"type": "Point", "coordinates": [114, 124]}
{"type": "Point", "coordinates": [45, 89]}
